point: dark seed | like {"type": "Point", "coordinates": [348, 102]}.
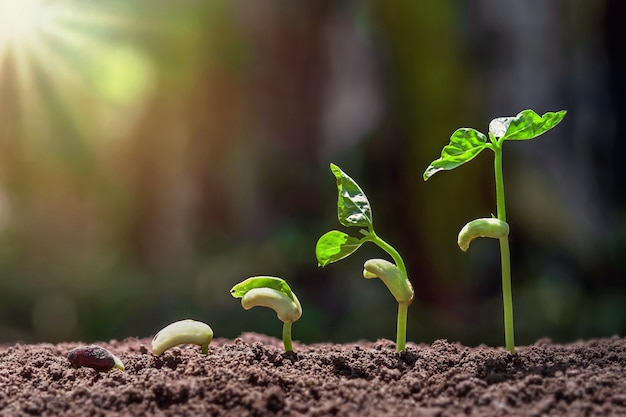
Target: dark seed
{"type": "Point", "coordinates": [92, 356]}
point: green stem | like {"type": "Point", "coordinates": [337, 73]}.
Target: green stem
{"type": "Point", "coordinates": [507, 297]}
{"type": "Point", "coordinates": [402, 308]}
{"type": "Point", "coordinates": [505, 258]}
{"type": "Point", "coordinates": [287, 337]}
{"type": "Point", "coordinates": [401, 332]}
{"type": "Point", "coordinates": [391, 251]}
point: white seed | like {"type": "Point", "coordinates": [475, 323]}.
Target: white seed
{"type": "Point", "coordinates": [399, 286]}
{"type": "Point", "coordinates": [494, 228]}
{"type": "Point", "coordinates": [286, 309]}
{"type": "Point", "coordinates": [181, 333]}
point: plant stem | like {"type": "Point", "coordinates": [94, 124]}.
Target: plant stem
{"type": "Point", "coordinates": [401, 331]}
{"type": "Point", "coordinates": [402, 308]}
{"type": "Point", "coordinates": [287, 337]}
{"type": "Point", "coordinates": [391, 251]}
{"type": "Point", "coordinates": [505, 257]}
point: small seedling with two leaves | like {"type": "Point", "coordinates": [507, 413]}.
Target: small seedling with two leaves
{"type": "Point", "coordinates": [272, 292]}
{"type": "Point", "coordinates": [465, 144]}
{"type": "Point", "coordinates": [354, 210]}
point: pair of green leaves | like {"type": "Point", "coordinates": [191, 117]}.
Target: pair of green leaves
{"type": "Point", "coordinates": [353, 209]}
{"type": "Point", "coordinates": [270, 292]}
{"type": "Point", "coordinates": [278, 284]}
{"type": "Point", "coordinates": [466, 143]}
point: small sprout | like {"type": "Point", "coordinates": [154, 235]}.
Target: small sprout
{"type": "Point", "coordinates": [354, 210]}
{"type": "Point", "coordinates": [94, 357]}
{"type": "Point", "coordinates": [494, 228]}
{"type": "Point", "coordinates": [183, 332]}
{"type": "Point", "coordinates": [272, 292]}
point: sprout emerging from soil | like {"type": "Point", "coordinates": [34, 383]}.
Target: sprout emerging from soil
{"type": "Point", "coordinates": [465, 144]}
{"type": "Point", "coordinates": [274, 293]}
{"type": "Point", "coordinates": [354, 210]}
{"type": "Point", "coordinates": [94, 357]}
{"type": "Point", "coordinates": [183, 332]}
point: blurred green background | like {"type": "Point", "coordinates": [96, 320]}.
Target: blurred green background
{"type": "Point", "coordinates": [155, 153]}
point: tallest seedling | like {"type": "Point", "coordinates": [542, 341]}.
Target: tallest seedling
{"type": "Point", "coordinates": [465, 144]}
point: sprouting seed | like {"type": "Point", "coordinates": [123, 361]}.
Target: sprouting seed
{"type": "Point", "coordinates": [272, 292]}
{"type": "Point", "coordinates": [94, 357]}
{"type": "Point", "coordinates": [183, 332]}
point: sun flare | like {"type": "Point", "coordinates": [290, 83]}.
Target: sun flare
{"type": "Point", "coordinates": [21, 20]}
{"type": "Point", "coordinates": [69, 60]}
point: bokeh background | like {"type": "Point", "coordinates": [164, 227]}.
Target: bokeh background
{"type": "Point", "coordinates": [155, 153]}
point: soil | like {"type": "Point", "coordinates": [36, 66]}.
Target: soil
{"type": "Point", "coordinates": [252, 376]}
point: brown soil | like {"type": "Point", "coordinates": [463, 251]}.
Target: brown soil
{"type": "Point", "coordinates": [252, 376]}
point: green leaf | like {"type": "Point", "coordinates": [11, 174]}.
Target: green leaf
{"type": "Point", "coordinates": [274, 283]}
{"type": "Point", "coordinates": [353, 207]}
{"type": "Point", "coordinates": [526, 125]}
{"type": "Point", "coordinates": [334, 246]}
{"type": "Point", "coordinates": [465, 144]}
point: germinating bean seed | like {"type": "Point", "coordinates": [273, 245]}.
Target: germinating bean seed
{"type": "Point", "coordinates": [95, 357]}
{"type": "Point", "coordinates": [183, 332]}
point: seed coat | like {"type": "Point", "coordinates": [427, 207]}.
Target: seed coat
{"type": "Point", "coordinates": [94, 357]}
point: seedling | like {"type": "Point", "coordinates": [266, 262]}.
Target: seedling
{"type": "Point", "coordinates": [94, 357]}
{"type": "Point", "coordinates": [183, 332]}
{"type": "Point", "coordinates": [354, 210]}
{"type": "Point", "coordinates": [274, 293]}
{"type": "Point", "coordinates": [465, 144]}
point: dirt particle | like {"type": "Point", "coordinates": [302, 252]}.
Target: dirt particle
{"type": "Point", "coordinates": [274, 400]}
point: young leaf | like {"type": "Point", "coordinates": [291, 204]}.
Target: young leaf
{"type": "Point", "coordinates": [272, 292]}
{"type": "Point", "coordinates": [274, 283]}
{"type": "Point", "coordinates": [465, 144]}
{"type": "Point", "coordinates": [334, 246]}
{"type": "Point", "coordinates": [526, 125]}
{"type": "Point", "coordinates": [353, 208]}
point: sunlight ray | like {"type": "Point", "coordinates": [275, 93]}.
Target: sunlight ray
{"type": "Point", "coordinates": [60, 52]}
